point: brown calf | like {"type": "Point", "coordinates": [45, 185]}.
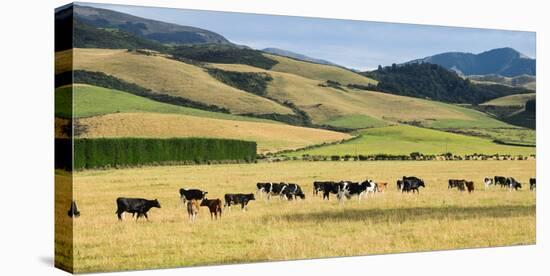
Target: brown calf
{"type": "Point", "coordinates": [214, 205]}
{"type": "Point", "coordinates": [192, 209]}
{"type": "Point", "coordinates": [382, 186]}
{"type": "Point", "coordinates": [469, 186]}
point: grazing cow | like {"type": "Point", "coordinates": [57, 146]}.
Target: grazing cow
{"type": "Point", "coordinates": [412, 183]}
{"type": "Point", "coordinates": [275, 189]}
{"type": "Point", "coordinates": [319, 186]}
{"type": "Point", "coordinates": [458, 183]}
{"type": "Point", "coordinates": [532, 184]}
{"type": "Point", "coordinates": [513, 184]}
{"type": "Point", "coordinates": [193, 209]}
{"type": "Point", "coordinates": [500, 180]}
{"type": "Point", "coordinates": [191, 194]}
{"type": "Point", "coordinates": [236, 199]}
{"type": "Point", "coordinates": [135, 205]}
{"type": "Point", "coordinates": [330, 187]}
{"type": "Point", "coordinates": [371, 188]}
{"type": "Point", "coordinates": [399, 184]}
{"type": "Point", "coordinates": [382, 186]}
{"type": "Point", "coordinates": [349, 189]}
{"type": "Point", "coordinates": [488, 182]}
{"type": "Point", "coordinates": [73, 211]}
{"type": "Point", "coordinates": [291, 191]}
{"type": "Point", "coordinates": [264, 187]}
{"type": "Point", "coordinates": [469, 186]}
{"type": "Point", "coordinates": [214, 205]}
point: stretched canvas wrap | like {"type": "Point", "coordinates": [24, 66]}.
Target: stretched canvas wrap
{"type": "Point", "coordinates": [188, 137]}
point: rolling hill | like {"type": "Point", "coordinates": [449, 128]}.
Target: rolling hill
{"type": "Point", "coordinates": [162, 32]}
{"type": "Point", "coordinates": [88, 101]}
{"type": "Point", "coordinates": [318, 72]}
{"type": "Point", "coordinates": [402, 140]}
{"type": "Point", "coordinates": [270, 137]}
{"type": "Point", "coordinates": [170, 77]}
{"type": "Point", "coordinates": [525, 81]}
{"type": "Point", "coordinates": [426, 80]}
{"type": "Point", "coordinates": [512, 100]}
{"type": "Point", "coordinates": [503, 61]}
{"type": "Point", "coordinates": [290, 54]}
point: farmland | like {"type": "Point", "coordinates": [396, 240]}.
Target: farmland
{"type": "Point", "coordinates": [269, 137]}
{"type": "Point", "coordinates": [279, 230]}
{"type": "Point", "coordinates": [403, 139]}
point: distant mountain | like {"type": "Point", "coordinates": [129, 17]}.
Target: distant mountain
{"type": "Point", "coordinates": [503, 61]}
{"type": "Point", "coordinates": [286, 53]}
{"type": "Point", "coordinates": [427, 80]}
{"type": "Point", "coordinates": [162, 32]}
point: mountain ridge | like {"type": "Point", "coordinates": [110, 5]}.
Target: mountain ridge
{"type": "Point", "coordinates": [505, 62]}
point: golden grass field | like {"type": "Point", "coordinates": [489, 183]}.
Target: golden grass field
{"type": "Point", "coordinates": [319, 72]}
{"type": "Point", "coordinates": [390, 222]}
{"type": "Point", "coordinates": [324, 103]}
{"type": "Point", "coordinates": [518, 99]}
{"type": "Point", "coordinates": [172, 77]}
{"type": "Point", "coordinates": [269, 137]}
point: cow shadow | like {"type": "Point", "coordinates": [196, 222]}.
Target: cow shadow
{"type": "Point", "coordinates": [397, 215]}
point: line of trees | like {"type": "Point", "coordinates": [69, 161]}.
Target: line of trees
{"type": "Point", "coordinates": [122, 152]}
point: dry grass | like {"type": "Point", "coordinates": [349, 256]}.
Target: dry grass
{"type": "Point", "coordinates": [318, 72]}
{"type": "Point", "coordinates": [270, 137]}
{"type": "Point", "coordinates": [323, 103]}
{"type": "Point", "coordinates": [171, 77]}
{"type": "Point", "coordinates": [387, 223]}
{"type": "Point", "coordinates": [518, 99]}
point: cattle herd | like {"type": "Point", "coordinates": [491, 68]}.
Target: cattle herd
{"type": "Point", "coordinates": [193, 199]}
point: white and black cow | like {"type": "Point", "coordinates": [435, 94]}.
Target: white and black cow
{"type": "Point", "coordinates": [532, 184]}
{"type": "Point", "coordinates": [291, 191]}
{"type": "Point", "coordinates": [488, 182]}
{"type": "Point", "coordinates": [512, 184]}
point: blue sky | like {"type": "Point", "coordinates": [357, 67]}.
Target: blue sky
{"type": "Point", "coordinates": [356, 44]}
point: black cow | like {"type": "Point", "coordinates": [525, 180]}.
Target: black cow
{"type": "Point", "coordinates": [135, 205]}
{"type": "Point", "coordinates": [532, 184]}
{"type": "Point", "coordinates": [319, 186]}
{"type": "Point", "coordinates": [191, 194]}
{"type": "Point", "coordinates": [236, 199]}
{"type": "Point", "coordinates": [412, 183]}
{"type": "Point", "coordinates": [329, 187]}
{"type": "Point", "coordinates": [73, 211]}
{"type": "Point", "coordinates": [458, 183]}
{"type": "Point", "coordinates": [469, 186]}
{"type": "Point", "coordinates": [512, 184]}
{"type": "Point", "coordinates": [291, 191]}
{"type": "Point", "coordinates": [500, 180]}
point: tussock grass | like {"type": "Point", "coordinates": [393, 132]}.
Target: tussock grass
{"type": "Point", "coordinates": [280, 230]}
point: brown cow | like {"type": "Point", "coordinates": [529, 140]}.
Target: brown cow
{"type": "Point", "coordinates": [469, 186]}
{"type": "Point", "coordinates": [382, 186]}
{"type": "Point", "coordinates": [214, 205]}
{"type": "Point", "coordinates": [193, 209]}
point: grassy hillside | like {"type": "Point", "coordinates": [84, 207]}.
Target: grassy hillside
{"type": "Point", "coordinates": [354, 108]}
{"type": "Point", "coordinates": [270, 137]}
{"type": "Point", "coordinates": [171, 77]}
{"type": "Point", "coordinates": [514, 100]}
{"type": "Point", "coordinates": [91, 100]}
{"type": "Point", "coordinates": [402, 140]}
{"type": "Point", "coordinates": [318, 72]}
